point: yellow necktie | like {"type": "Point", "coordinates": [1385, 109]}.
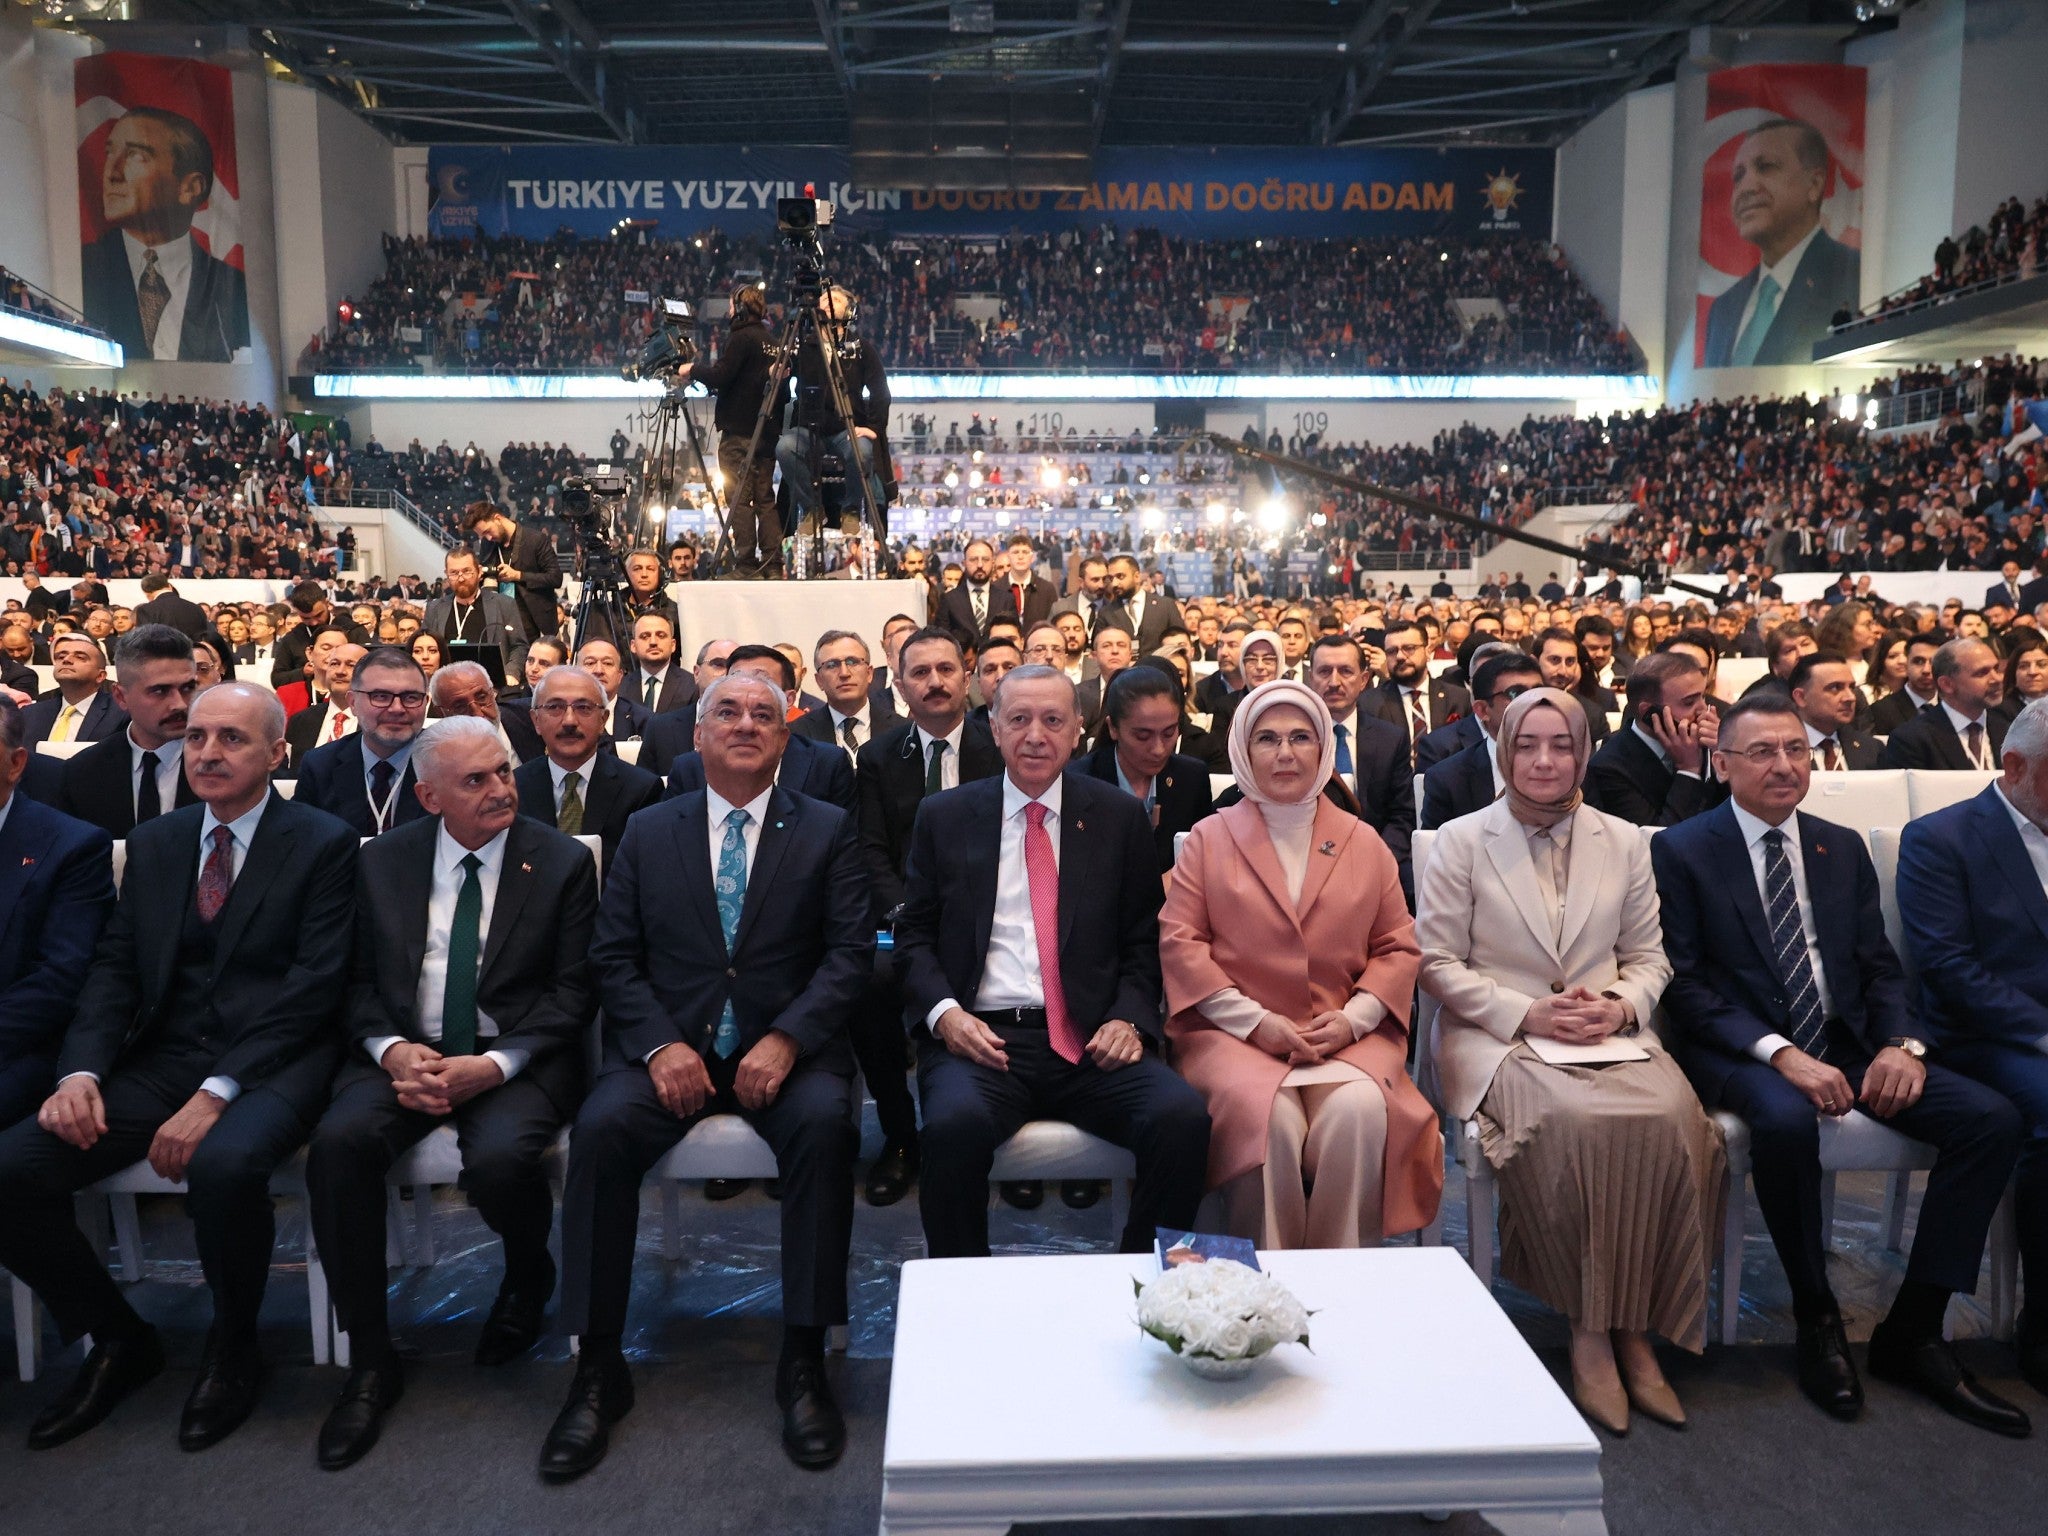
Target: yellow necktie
{"type": "Point", "coordinates": [67, 720]}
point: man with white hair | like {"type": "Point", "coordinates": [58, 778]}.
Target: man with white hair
{"type": "Point", "coordinates": [1973, 896]}
{"type": "Point", "coordinates": [468, 1004]}
{"type": "Point", "coordinates": [572, 786]}
{"type": "Point", "coordinates": [463, 689]}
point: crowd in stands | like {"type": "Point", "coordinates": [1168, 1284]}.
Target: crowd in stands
{"type": "Point", "coordinates": [2008, 244]}
{"type": "Point", "coordinates": [1101, 299]}
{"type": "Point", "coordinates": [19, 293]}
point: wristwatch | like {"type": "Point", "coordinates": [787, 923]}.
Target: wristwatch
{"type": "Point", "coordinates": [1917, 1049]}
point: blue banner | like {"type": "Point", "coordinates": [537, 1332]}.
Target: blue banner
{"type": "Point", "coordinates": [537, 190]}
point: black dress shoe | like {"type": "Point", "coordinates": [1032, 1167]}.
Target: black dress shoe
{"type": "Point", "coordinates": [1930, 1367]}
{"type": "Point", "coordinates": [115, 1368]}
{"type": "Point", "coordinates": [1024, 1194]}
{"type": "Point", "coordinates": [813, 1430]}
{"type": "Point", "coordinates": [2032, 1344]}
{"type": "Point", "coordinates": [514, 1324]}
{"type": "Point", "coordinates": [890, 1175]}
{"type": "Point", "coordinates": [600, 1396]}
{"type": "Point", "coordinates": [1079, 1194]}
{"type": "Point", "coordinates": [724, 1189]}
{"type": "Point", "coordinates": [353, 1422]}
{"type": "Point", "coordinates": [230, 1381]}
{"type": "Point", "coordinates": [1826, 1373]}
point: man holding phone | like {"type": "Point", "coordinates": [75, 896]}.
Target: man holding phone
{"type": "Point", "coordinates": [1656, 771]}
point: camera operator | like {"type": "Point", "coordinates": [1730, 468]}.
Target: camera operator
{"type": "Point", "coordinates": [739, 380]}
{"type": "Point", "coordinates": [523, 563]}
{"type": "Point", "coordinates": [867, 391]}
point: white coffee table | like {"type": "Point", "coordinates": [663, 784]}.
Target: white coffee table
{"type": "Point", "coordinates": [1023, 1390]}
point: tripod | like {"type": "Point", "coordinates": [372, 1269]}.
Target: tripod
{"type": "Point", "coordinates": [662, 473]}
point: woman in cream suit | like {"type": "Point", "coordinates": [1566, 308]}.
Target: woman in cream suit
{"type": "Point", "coordinates": [1539, 923]}
{"type": "Point", "coordinates": [1289, 960]}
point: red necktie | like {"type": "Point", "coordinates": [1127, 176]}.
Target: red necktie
{"type": "Point", "coordinates": [1017, 597]}
{"type": "Point", "coordinates": [1044, 876]}
{"type": "Point", "coordinates": [340, 720]}
{"type": "Point", "coordinates": [218, 877]}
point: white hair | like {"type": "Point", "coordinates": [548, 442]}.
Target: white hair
{"type": "Point", "coordinates": [449, 731]}
{"type": "Point", "coordinates": [2028, 735]}
{"type": "Point", "coordinates": [456, 671]}
{"type": "Point", "coordinates": [731, 680]}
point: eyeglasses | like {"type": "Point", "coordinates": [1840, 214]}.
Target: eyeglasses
{"type": "Point", "coordinates": [1512, 692]}
{"type": "Point", "coordinates": [582, 709]}
{"type": "Point", "coordinates": [840, 664]}
{"type": "Point", "coordinates": [1764, 753]}
{"type": "Point", "coordinates": [384, 698]}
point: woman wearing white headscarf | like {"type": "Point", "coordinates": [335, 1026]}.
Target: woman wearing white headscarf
{"type": "Point", "coordinates": [1289, 960]}
{"type": "Point", "coordinates": [1541, 939]}
{"type": "Point", "coordinates": [1259, 660]}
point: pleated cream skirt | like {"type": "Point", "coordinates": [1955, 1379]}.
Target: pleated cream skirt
{"type": "Point", "coordinates": [1611, 1185]}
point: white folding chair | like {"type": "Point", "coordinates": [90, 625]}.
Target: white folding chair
{"type": "Point", "coordinates": [285, 788]}
{"type": "Point", "coordinates": [1935, 789]}
{"type": "Point", "coordinates": [629, 751]}
{"type": "Point", "coordinates": [1858, 801]}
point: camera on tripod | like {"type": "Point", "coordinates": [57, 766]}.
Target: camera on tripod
{"type": "Point", "coordinates": [801, 220]}
{"type": "Point", "coordinates": [670, 347]}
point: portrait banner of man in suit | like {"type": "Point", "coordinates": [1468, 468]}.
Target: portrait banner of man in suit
{"type": "Point", "coordinates": [1781, 212]}
{"type": "Point", "coordinates": [159, 197]}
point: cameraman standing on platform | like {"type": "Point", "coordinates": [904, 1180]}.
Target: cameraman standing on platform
{"type": "Point", "coordinates": [527, 569]}
{"type": "Point", "coordinates": [739, 380]}
{"type": "Point", "coordinates": [867, 392]}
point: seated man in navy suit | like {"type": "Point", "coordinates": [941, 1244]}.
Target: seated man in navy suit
{"type": "Point", "coordinates": [56, 890]}
{"type": "Point", "coordinates": [808, 767]}
{"type": "Point", "coordinates": [1971, 895]}
{"type": "Point", "coordinates": [367, 778]}
{"type": "Point", "coordinates": [1029, 939]}
{"type": "Point", "coordinates": [1789, 1004]}
{"type": "Point", "coordinates": [733, 942]}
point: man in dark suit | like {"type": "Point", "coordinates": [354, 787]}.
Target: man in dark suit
{"type": "Point", "coordinates": [163, 605]}
{"type": "Point", "coordinates": [1469, 781]}
{"type": "Point", "coordinates": [1777, 310]}
{"type": "Point", "coordinates": [526, 564]}
{"type": "Point", "coordinates": [572, 786]}
{"type": "Point", "coordinates": [468, 1005]}
{"type": "Point", "coordinates": [1790, 1004]}
{"type": "Point", "coordinates": [147, 282]}
{"type": "Point", "coordinates": [138, 774]}
{"type": "Point", "coordinates": [1824, 692]}
{"type": "Point", "coordinates": [1140, 729]}
{"type": "Point", "coordinates": [463, 689]}
{"type": "Point", "coordinates": [1031, 595]}
{"type": "Point", "coordinates": [731, 945]}
{"type": "Point", "coordinates": [1558, 654]}
{"type": "Point", "coordinates": [56, 890]}
{"type": "Point", "coordinates": [807, 767]}
{"type": "Point", "coordinates": [202, 1040]}
{"type": "Point", "coordinates": [965, 611]}
{"type": "Point", "coordinates": [854, 713]}
{"type": "Point", "coordinates": [327, 719]}
{"type": "Point", "coordinates": [656, 681]}
{"type": "Point", "coordinates": [1962, 729]}
{"type": "Point", "coordinates": [2008, 589]}
{"type": "Point", "coordinates": [367, 779]}
{"type": "Point", "coordinates": [1112, 650]}
{"type": "Point", "coordinates": [1372, 756]}
{"type": "Point", "coordinates": [1896, 708]}
{"type": "Point", "coordinates": [290, 656]}
{"type": "Point", "coordinates": [626, 718]}
{"type": "Point", "coordinates": [81, 707]}
{"type": "Point", "coordinates": [1410, 698]}
{"type": "Point", "coordinates": [469, 613]}
{"type": "Point", "coordinates": [1654, 771]}
{"type": "Point", "coordinates": [1148, 615]}
{"type": "Point", "coordinates": [1029, 939]}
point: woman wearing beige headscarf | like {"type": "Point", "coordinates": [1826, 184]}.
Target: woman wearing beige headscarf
{"type": "Point", "coordinates": [1289, 960]}
{"type": "Point", "coordinates": [1541, 939]}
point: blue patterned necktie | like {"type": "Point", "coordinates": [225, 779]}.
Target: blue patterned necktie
{"type": "Point", "coordinates": [1788, 946]}
{"type": "Point", "coordinates": [1344, 751]}
{"type": "Point", "coordinates": [1751, 341]}
{"type": "Point", "coordinates": [731, 886]}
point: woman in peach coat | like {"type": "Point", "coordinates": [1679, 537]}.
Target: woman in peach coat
{"type": "Point", "coordinates": [1289, 960]}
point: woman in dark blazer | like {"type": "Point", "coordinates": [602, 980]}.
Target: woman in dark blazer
{"type": "Point", "coordinates": [1141, 724]}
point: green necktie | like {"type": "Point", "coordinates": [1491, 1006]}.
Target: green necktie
{"type": "Point", "coordinates": [1751, 341]}
{"type": "Point", "coordinates": [934, 781]}
{"type": "Point", "coordinates": [458, 999]}
{"type": "Point", "coordinates": [569, 818]}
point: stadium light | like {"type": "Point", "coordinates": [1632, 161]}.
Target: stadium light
{"type": "Point", "coordinates": [1217, 512]}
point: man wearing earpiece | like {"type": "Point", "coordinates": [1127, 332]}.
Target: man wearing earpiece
{"type": "Point", "coordinates": [817, 417]}
{"type": "Point", "coordinates": [738, 377]}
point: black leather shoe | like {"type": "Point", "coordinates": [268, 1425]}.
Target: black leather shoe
{"type": "Point", "coordinates": [1826, 1373]}
{"type": "Point", "coordinates": [724, 1189]}
{"type": "Point", "coordinates": [353, 1422]}
{"type": "Point", "coordinates": [600, 1396]}
{"type": "Point", "coordinates": [813, 1430]}
{"type": "Point", "coordinates": [2032, 1343]}
{"type": "Point", "coordinates": [115, 1368]}
{"type": "Point", "coordinates": [516, 1316]}
{"type": "Point", "coordinates": [230, 1381]}
{"type": "Point", "coordinates": [1930, 1367]}
{"type": "Point", "coordinates": [1024, 1194]}
{"type": "Point", "coordinates": [889, 1178]}
{"type": "Point", "coordinates": [1079, 1194]}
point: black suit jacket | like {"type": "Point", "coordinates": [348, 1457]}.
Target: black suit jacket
{"type": "Point", "coordinates": [1725, 994]}
{"type": "Point", "coordinates": [534, 977]}
{"type": "Point", "coordinates": [801, 956]}
{"type": "Point", "coordinates": [288, 655]}
{"type": "Point", "coordinates": [808, 768]}
{"type": "Point", "coordinates": [1447, 702]}
{"type": "Point", "coordinates": [2033, 594]}
{"type": "Point", "coordinates": [822, 725]}
{"type": "Point", "coordinates": [540, 577]}
{"type": "Point", "coordinates": [613, 789]}
{"type": "Point", "coordinates": [306, 731]}
{"type": "Point", "coordinates": [1628, 779]}
{"type": "Point", "coordinates": [331, 779]}
{"type": "Point", "coordinates": [1181, 793]}
{"type": "Point", "coordinates": [637, 718]}
{"type": "Point", "coordinates": [1928, 740]}
{"type": "Point", "coordinates": [56, 891]}
{"type": "Point", "coordinates": [188, 618]}
{"type": "Point", "coordinates": [281, 956]}
{"type": "Point", "coordinates": [889, 787]}
{"type": "Point", "coordinates": [1893, 711]}
{"type": "Point", "coordinates": [516, 716]}
{"type": "Point", "coordinates": [1109, 901]}
{"type": "Point", "coordinates": [1827, 279]}
{"type": "Point", "coordinates": [98, 786]}
{"type": "Point", "coordinates": [1859, 752]}
{"type": "Point", "coordinates": [1445, 742]}
{"type": "Point", "coordinates": [666, 738]}
{"type": "Point", "coordinates": [216, 323]}
{"type": "Point", "coordinates": [1161, 614]}
{"type": "Point", "coordinates": [1038, 600]}
{"type": "Point", "coordinates": [678, 687]}
{"type": "Point", "coordinates": [956, 613]}
{"type": "Point", "coordinates": [103, 718]}
{"type": "Point", "coordinates": [1458, 786]}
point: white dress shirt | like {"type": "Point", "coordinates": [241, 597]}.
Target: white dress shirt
{"type": "Point", "coordinates": [949, 765]}
{"type": "Point", "coordinates": [1753, 829]}
{"type": "Point", "coordinates": [167, 759]}
{"type": "Point", "coordinates": [433, 984]}
{"type": "Point", "coordinates": [1010, 977]}
{"type": "Point", "coordinates": [1816, 742]}
{"type": "Point", "coordinates": [718, 808]}
{"type": "Point", "coordinates": [174, 266]}
{"type": "Point", "coordinates": [640, 681]}
{"type": "Point", "coordinates": [385, 815]}
{"type": "Point", "coordinates": [1962, 724]}
{"type": "Point", "coordinates": [6, 808]}
{"type": "Point", "coordinates": [557, 773]}
{"type": "Point", "coordinates": [328, 711]}
{"type": "Point", "coordinates": [1780, 272]}
{"type": "Point", "coordinates": [862, 732]}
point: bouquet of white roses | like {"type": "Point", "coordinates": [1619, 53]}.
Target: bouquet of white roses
{"type": "Point", "coordinates": [1220, 1310]}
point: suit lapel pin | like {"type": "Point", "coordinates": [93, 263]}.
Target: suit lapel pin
{"type": "Point", "coordinates": [1329, 848]}
{"type": "Point", "coordinates": [778, 826]}
{"type": "Point", "coordinates": [1818, 848]}
{"type": "Point", "coordinates": [27, 862]}
{"type": "Point", "coordinates": [1080, 826]}
{"type": "Point", "coordinates": [526, 869]}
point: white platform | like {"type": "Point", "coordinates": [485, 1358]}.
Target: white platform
{"type": "Point", "coordinates": [1022, 1390]}
{"type": "Point", "coordinates": [770, 612]}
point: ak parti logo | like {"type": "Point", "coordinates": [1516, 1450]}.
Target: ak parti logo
{"type": "Point", "coordinates": [1502, 191]}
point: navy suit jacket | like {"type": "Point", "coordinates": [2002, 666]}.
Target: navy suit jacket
{"type": "Point", "coordinates": [1827, 279]}
{"type": "Point", "coordinates": [216, 305]}
{"type": "Point", "coordinates": [1182, 793]}
{"type": "Point", "coordinates": [1928, 740]}
{"type": "Point", "coordinates": [1976, 923]}
{"type": "Point", "coordinates": [1458, 786]}
{"type": "Point", "coordinates": [1446, 742]}
{"type": "Point", "coordinates": [808, 768]}
{"type": "Point", "coordinates": [56, 891]}
{"type": "Point", "coordinates": [1109, 903]}
{"type": "Point", "coordinates": [664, 738]}
{"type": "Point", "coordinates": [1725, 994]}
{"type": "Point", "coordinates": [801, 956]}
{"type": "Point", "coordinates": [103, 718]}
{"type": "Point", "coordinates": [331, 780]}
